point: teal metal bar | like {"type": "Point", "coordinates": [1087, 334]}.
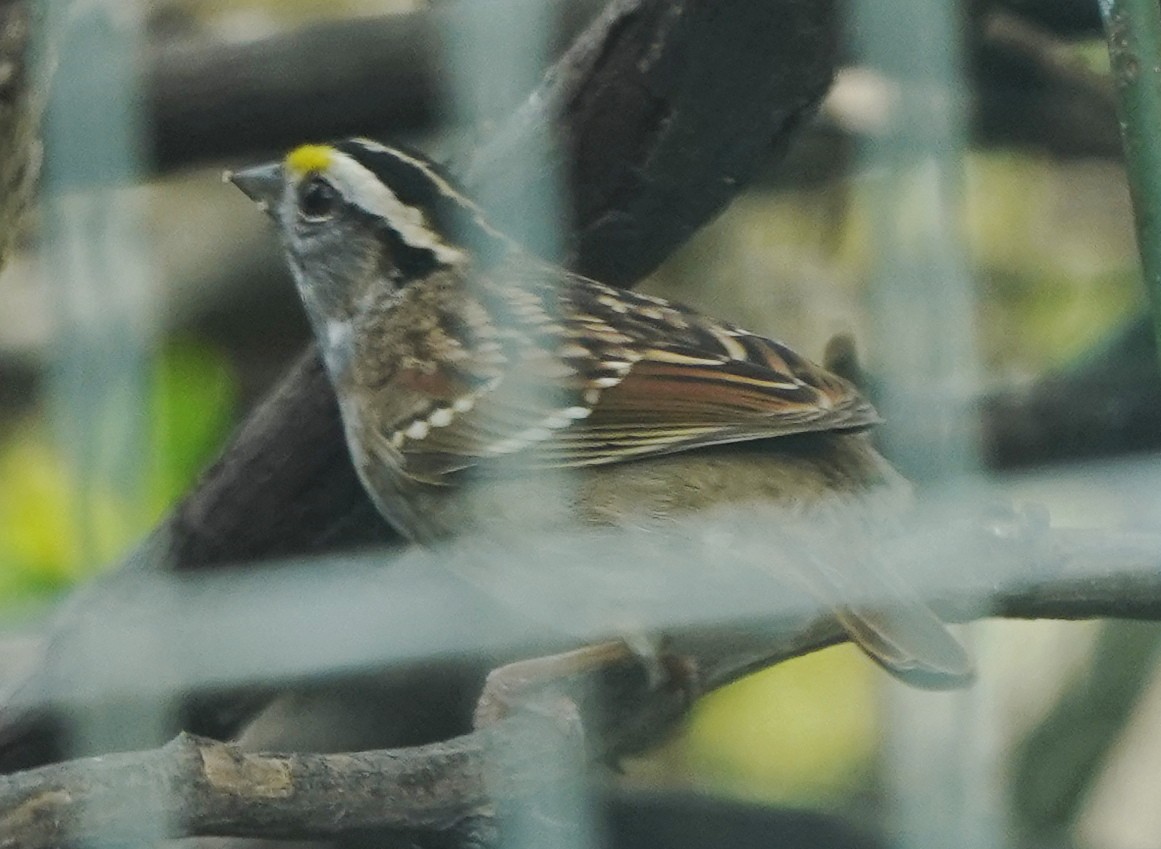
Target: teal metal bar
{"type": "Point", "coordinates": [1133, 30]}
{"type": "Point", "coordinates": [921, 295]}
{"type": "Point", "coordinates": [941, 785]}
{"type": "Point", "coordinates": [102, 289]}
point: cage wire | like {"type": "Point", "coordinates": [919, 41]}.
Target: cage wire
{"type": "Point", "coordinates": [1133, 31]}
{"type": "Point", "coordinates": [940, 758]}
{"type": "Point", "coordinates": [104, 291]}
{"type": "Point", "coordinates": [168, 637]}
{"type": "Point", "coordinates": [493, 51]}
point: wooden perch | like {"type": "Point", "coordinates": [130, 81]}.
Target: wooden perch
{"type": "Point", "coordinates": [196, 786]}
{"type": "Point", "coordinates": [1042, 423]}
{"type": "Point", "coordinates": [201, 787]}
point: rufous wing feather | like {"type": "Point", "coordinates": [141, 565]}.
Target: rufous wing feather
{"type": "Point", "coordinates": [581, 374]}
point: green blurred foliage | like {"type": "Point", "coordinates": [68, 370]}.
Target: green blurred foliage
{"type": "Point", "coordinates": [1050, 246]}
{"type": "Point", "coordinates": [288, 12]}
{"type": "Point", "coordinates": [194, 401]}
{"type": "Point", "coordinates": [191, 403]}
{"type": "Point", "coordinates": [803, 731]}
{"type": "Point", "coordinates": [1056, 765]}
{"type": "Point", "coordinates": [1055, 257]}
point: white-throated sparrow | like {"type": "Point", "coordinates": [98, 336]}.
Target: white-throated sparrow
{"type": "Point", "coordinates": [466, 369]}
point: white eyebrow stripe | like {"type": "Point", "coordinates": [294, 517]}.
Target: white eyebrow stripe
{"type": "Point", "coordinates": [429, 172]}
{"type": "Point", "coordinates": [362, 188]}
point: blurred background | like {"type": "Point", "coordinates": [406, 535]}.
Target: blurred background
{"type": "Point", "coordinates": [1044, 233]}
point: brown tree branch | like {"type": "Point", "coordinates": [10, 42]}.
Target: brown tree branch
{"type": "Point", "coordinates": [19, 122]}
{"type": "Point", "coordinates": [208, 100]}
{"type": "Point", "coordinates": [1032, 92]}
{"type": "Point", "coordinates": [197, 786]}
{"type": "Point", "coordinates": [1043, 423]}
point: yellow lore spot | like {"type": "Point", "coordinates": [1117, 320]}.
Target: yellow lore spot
{"type": "Point", "coordinates": [309, 158]}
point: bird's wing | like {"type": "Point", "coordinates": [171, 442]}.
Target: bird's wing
{"type": "Point", "coordinates": [570, 372]}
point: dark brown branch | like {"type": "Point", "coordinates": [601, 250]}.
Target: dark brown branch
{"type": "Point", "coordinates": [210, 100]}
{"type": "Point", "coordinates": [1032, 92]}
{"type": "Point", "coordinates": [1115, 575]}
{"type": "Point", "coordinates": [1076, 18]}
{"type": "Point", "coordinates": [19, 122]}
{"type": "Point", "coordinates": [197, 786]}
{"type": "Point", "coordinates": [1121, 413]}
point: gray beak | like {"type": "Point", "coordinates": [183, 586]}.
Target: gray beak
{"type": "Point", "coordinates": [262, 184]}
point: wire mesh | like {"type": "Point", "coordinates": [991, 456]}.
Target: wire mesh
{"type": "Point", "coordinates": [104, 292]}
{"type": "Point", "coordinates": [156, 637]}
{"type": "Point", "coordinates": [939, 755]}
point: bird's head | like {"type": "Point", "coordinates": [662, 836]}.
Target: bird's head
{"type": "Point", "coordinates": [360, 221]}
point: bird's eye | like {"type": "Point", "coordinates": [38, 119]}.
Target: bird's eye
{"type": "Point", "coordinates": [317, 198]}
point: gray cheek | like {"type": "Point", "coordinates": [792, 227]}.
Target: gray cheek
{"type": "Point", "coordinates": [310, 257]}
